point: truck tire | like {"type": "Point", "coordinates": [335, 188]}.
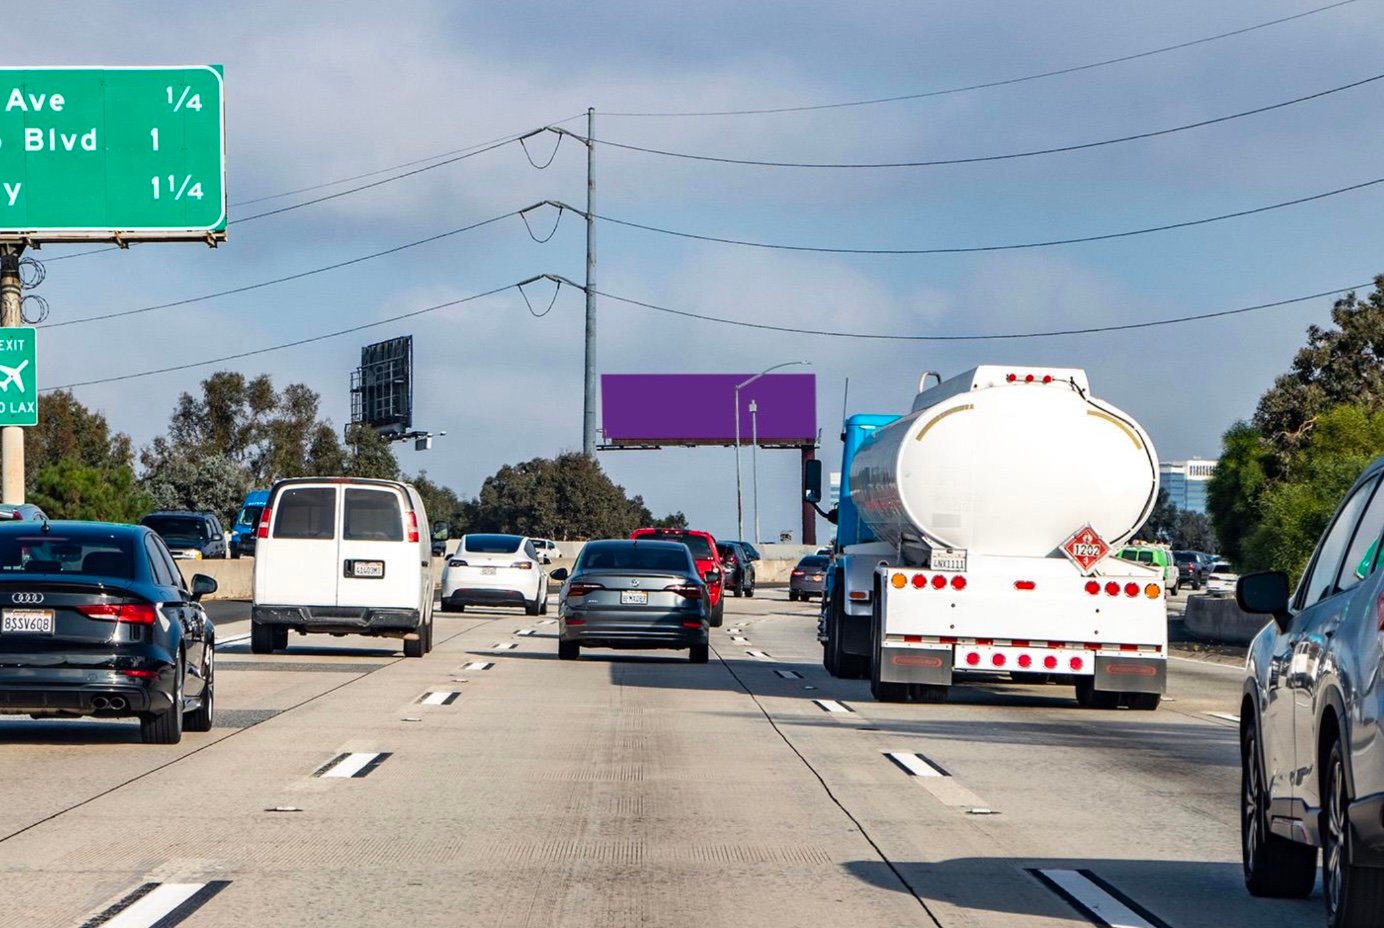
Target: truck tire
{"type": "Point", "coordinates": [928, 692]}
{"type": "Point", "coordinates": [882, 690]}
{"type": "Point", "coordinates": [1088, 697]}
{"type": "Point", "coordinates": [1274, 866]}
{"type": "Point", "coordinates": [1142, 702]}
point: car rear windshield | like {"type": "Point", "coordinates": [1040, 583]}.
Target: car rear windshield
{"type": "Point", "coordinates": [372, 515]}
{"type": "Point", "coordinates": [1222, 568]}
{"type": "Point", "coordinates": [1185, 557]}
{"type": "Point", "coordinates": [699, 546]}
{"type": "Point", "coordinates": [306, 513]}
{"type": "Point", "coordinates": [493, 544]}
{"type": "Point", "coordinates": [814, 561]}
{"type": "Point", "coordinates": [634, 556]}
{"type": "Point", "coordinates": [58, 554]}
{"type": "Point", "coordinates": [179, 526]}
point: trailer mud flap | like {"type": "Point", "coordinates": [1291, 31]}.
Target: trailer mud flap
{"type": "Point", "coordinates": [916, 665]}
{"type": "Point", "coordinates": [855, 634]}
{"type": "Point", "coordinates": [1131, 675]}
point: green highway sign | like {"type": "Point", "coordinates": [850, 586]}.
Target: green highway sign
{"type": "Point", "coordinates": [122, 154]}
{"type": "Point", "coordinates": [18, 381]}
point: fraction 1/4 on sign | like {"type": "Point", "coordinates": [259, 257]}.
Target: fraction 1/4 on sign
{"type": "Point", "coordinates": [177, 190]}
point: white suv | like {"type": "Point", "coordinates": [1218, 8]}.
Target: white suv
{"type": "Point", "coordinates": [495, 570]}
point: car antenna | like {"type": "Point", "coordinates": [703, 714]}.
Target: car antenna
{"type": "Point", "coordinates": [46, 527]}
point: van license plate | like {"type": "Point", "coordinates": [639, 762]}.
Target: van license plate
{"type": "Point", "coordinates": [634, 598]}
{"type": "Point", "coordinates": [948, 559]}
{"type": "Point", "coordinates": [27, 622]}
{"type": "Point", "coordinates": [367, 569]}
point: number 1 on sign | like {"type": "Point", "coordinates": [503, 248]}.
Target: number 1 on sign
{"type": "Point", "coordinates": [154, 135]}
{"type": "Point", "coordinates": [186, 189]}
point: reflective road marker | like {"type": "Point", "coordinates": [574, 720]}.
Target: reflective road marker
{"type": "Point", "coordinates": [354, 765]}
{"type": "Point", "coordinates": [478, 665]}
{"type": "Point", "coordinates": [831, 705]}
{"type": "Point", "coordinates": [440, 698]}
{"type": "Point", "coordinates": [162, 904]}
{"type": "Point", "coordinates": [1096, 899]}
{"type": "Point", "coordinates": [916, 764]}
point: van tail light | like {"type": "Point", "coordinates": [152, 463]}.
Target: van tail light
{"type": "Point", "coordinates": [263, 530]}
{"type": "Point", "coordinates": [522, 565]}
{"type": "Point", "coordinates": [129, 613]}
{"type": "Point", "coordinates": [412, 526]}
{"type": "Point", "coordinates": [582, 588]}
{"type": "Point", "coordinates": [685, 590]}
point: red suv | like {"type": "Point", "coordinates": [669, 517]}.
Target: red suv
{"type": "Point", "coordinates": [704, 552]}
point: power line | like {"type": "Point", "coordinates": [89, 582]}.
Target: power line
{"type": "Point", "coordinates": [980, 158]}
{"type": "Point", "coordinates": [279, 280]}
{"type": "Point", "coordinates": [1004, 82]}
{"type": "Point", "coordinates": [280, 347]}
{"type": "Point", "coordinates": [778, 246]}
{"type": "Point", "coordinates": [1149, 324]}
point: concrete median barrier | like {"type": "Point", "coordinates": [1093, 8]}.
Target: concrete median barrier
{"type": "Point", "coordinates": [1217, 618]}
{"type": "Point", "coordinates": [234, 578]}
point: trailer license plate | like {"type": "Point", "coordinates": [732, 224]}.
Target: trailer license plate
{"type": "Point", "coordinates": [948, 559]}
{"type": "Point", "coordinates": [27, 622]}
{"type": "Point", "coordinates": [634, 598]}
{"type": "Point", "coordinates": [367, 569]}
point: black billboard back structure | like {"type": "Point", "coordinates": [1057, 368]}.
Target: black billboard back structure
{"type": "Point", "coordinates": [382, 387]}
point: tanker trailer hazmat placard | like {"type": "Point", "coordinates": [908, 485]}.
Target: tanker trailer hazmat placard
{"type": "Point", "coordinates": [133, 154]}
{"type": "Point", "coordinates": [699, 409]}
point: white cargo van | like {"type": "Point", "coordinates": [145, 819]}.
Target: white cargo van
{"type": "Point", "coordinates": [342, 556]}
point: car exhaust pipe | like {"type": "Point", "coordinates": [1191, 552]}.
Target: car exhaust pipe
{"type": "Point", "coordinates": [116, 702]}
{"type": "Point", "coordinates": [99, 702]}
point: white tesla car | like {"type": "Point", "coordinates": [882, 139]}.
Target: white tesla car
{"type": "Point", "coordinates": [495, 570]}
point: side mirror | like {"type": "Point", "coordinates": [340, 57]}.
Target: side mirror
{"type": "Point", "coordinates": [713, 576]}
{"type": "Point", "coordinates": [202, 585]}
{"type": "Point", "coordinates": [812, 481]}
{"type": "Point", "coordinates": [1265, 593]}
{"type": "Point", "coordinates": [560, 574]}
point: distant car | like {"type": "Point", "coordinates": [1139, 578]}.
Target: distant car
{"type": "Point", "coordinates": [439, 547]}
{"type": "Point", "coordinates": [495, 570]}
{"type": "Point", "coordinates": [1312, 762]}
{"type": "Point", "coordinates": [824, 551]}
{"type": "Point", "coordinates": [1192, 568]}
{"type": "Point", "coordinates": [189, 535]}
{"type": "Point", "coordinates": [738, 566]}
{"type": "Point", "coordinates": [21, 512]}
{"type": "Point", "coordinates": [99, 622]}
{"type": "Point", "coordinates": [703, 548]}
{"type": "Point", "coordinates": [246, 526]}
{"type": "Point", "coordinates": [547, 549]}
{"type": "Point", "coordinates": [1158, 557]}
{"type": "Point", "coordinates": [808, 578]}
{"type": "Point", "coordinates": [1222, 579]}
{"type": "Point", "coordinates": [633, 594]}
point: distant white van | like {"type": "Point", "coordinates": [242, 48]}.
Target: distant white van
{"type": "Point", "coordinates": [343, 556]}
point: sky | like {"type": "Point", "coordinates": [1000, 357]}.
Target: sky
{"type": "Point", "coordinates": [318, 92]}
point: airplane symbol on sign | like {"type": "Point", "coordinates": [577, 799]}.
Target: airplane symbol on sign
{"type": "Point", "coordinates": [13, 375]}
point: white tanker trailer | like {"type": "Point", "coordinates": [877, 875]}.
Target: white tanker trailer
{"type": "Point", "coordinates": [978, 534]}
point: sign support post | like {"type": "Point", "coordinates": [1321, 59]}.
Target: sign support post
{"type": "Point", "coordinates": [11, 436]}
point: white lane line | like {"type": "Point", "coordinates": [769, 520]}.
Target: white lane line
{"type": "Point", "coordinates": [738, 640]}
{"type": "Point", "coordinates": [1224, 717]}
{"type": "Point", "coordinates": [478, 665]}
{"type": "Point", "coordinates": [525, 631]}
{"type": "Point", "coordinates": [504, 646]}
{"type": "Point", "coordinates": [440, 698]}
{"type": "Point", "coordinates": [758, 655]}
{"type": "Point", "coordinates": [234, 639]}
{"type": "Point", "coordinates": [1212, 665]}
{"type": "Point", "coordinates": [916, 764]}
{"type": "Point", "coordinates": [831, 705]}
{"type": "Point", "coordinates": [356, 764]}
{"type": "Point", "coordinates": [789, 674]}
{"type": "Point", "coordinates": [162, 904]}
{"type": "Point", "coordinates": [548, 622]}
{"type": "Point", "coordinates": [1096, 899]}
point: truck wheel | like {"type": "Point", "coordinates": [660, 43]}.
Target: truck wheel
{"type": "Point", "coordinates": [1088, 697]}
{"type": "Point", "coordinates": [1142, 702]}
{"type": "Point", "coordinates": [928, 692]}
{"type": "Point", "coordinates": [1354, 895]}
{"type": "Point", "coordinates": [1274, 866]}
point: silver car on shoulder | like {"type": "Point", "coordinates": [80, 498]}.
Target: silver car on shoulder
{"type": "Point", "coordinates": [634, 594]}
{"type": "Point", "coordinates": [1312, 720]}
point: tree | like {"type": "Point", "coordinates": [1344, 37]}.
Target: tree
{"type": "Point", "coordinates": [69, 489]}
{"type": "Point", "coordinates": [1193, 532]}
{"type": "Point", "coordinates": [370, 455]}
{"type": "Point", "coordinates": [1161, 525]}
{"type": "Point", "coordinates": [75, 468]}
{"type": "Point", "coordinates": [1236, 488]}
{"type": "Point", "coordinates": [443, 505]}
{"type": "Point", "coordinates": [213, 483]}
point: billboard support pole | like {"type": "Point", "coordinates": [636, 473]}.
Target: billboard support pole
{"type": "Point", "coordinates": [11, 436]}
{"type": "Point", "coordinates": [588, 438]}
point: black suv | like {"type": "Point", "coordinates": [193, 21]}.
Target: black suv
{"type": "Point", "coordinates": [738, 559]}
{"type": "Point", "coordinates": [189, 535]}
{"type": "Point", "coordinates": [1192, 568]}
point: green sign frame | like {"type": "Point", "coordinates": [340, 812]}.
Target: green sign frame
{"type": "Point", "coordinates": [18, 368]}
{"type": "Point", "coordinates": [112, 154]}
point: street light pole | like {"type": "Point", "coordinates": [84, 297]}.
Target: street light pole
{"type": "Point", "coordinates": [739, 504]}
{"type": "Point", "coordinates": [754, 464]}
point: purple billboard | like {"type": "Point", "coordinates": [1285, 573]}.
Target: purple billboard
{"type": "Point", "coordinates": [640, 410]}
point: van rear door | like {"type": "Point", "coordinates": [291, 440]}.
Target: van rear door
{"type": "Point", "coordinates": [297, 564]}
{"type": "Point", "coordinates": [379, 560]}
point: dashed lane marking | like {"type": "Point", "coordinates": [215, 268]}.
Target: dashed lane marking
{"type": "Point", "coordinates": [161, 904]}
{"type": "Point", "coordinates": [758, 655]}
{"type": "Point", "coordinates": [789, 674]}
{"type": "Point", "coordinates": [478, 665]}
{"type": "Point", "coordinates": [525, 631]}
{"type": "Point", "coordinates": [440, 698]}
{"type": "Point", "coordinates": [1225, 717]}
{"type": "Point", "coordinates": [548, 622]}
{"type": "Point", "coordinates": [354, 765]}
{"type": "Point", "coordinates": [916, 764]}
{"type": "Point", "coordinates": [831, 705]}
{"type": "Point", "coordinates": [234, 639]}
{"type": "Point", "coordinates": [1097, 900]}
{"type": "Point", "coordinates": [504, 646]}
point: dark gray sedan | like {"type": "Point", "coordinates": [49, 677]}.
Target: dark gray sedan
{"type": "Point", "coordinates": [633, 594]}
{"type": "Point", "coordinates": [808, 578]}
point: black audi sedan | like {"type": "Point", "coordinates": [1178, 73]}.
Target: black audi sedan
{"type": "Point", "coordinates": [95, 620]}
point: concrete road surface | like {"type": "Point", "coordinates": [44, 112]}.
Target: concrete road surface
{"type": "Point", "coordinates": [489, 784]}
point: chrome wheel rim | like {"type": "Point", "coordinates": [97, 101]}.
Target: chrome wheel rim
{"type": "Point", "coordinates": [1333, 854]}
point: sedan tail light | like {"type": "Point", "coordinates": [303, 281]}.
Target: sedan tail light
{"type": "Point", "coordinates": [582, 588]}
{"type": "Point", "coordinates": [685, 590]}
{"type": "Point", "coordinates": [131, 613]}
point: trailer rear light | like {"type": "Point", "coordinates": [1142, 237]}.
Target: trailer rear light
{"type": "Point", "coordinates": [581, 589]}
{"type": "Point", "coordinates": [1050, 662]}
{"type": "Point", "coordinates": [898, 581]}
{"type": "Point", "coordinates": [263, 530]}
{"type": "Point", "coordinates": [958, 582]}
{"type": "Point", "coordinates": [128, 613]}
{"type": "Point", "coordinates": [685, 590]}
{"type": "Point", "coordinates": [1025, 661]}
{"type": "Point", "coordinates": [1011, 377]}
{"type": "Point", "coordinates": [973, 658]}
{"type": "Point", "coordinates": [1093, 587]}
{"type": "Point", "coordinates": [1131, 589]}
{"type": "Point", "coordinates": [1047, 378]}
{"type": "Point", "coordinates": [997, 660]}
{"type": "Point", "coordinates": [1129, 647]}
{"type": "Point", "coordinates": [913, 639]}
{"type": "Point", "coordinates": [1153, 591]}
{"type": "Point", "coordinates": [919, 581]}
{"type": "Point", "coordinates": [1025, 585]}
{"type": "Point", "coordinates": [1112, 589]}
{"type": "Point", "coordinates": [1028, 379]}
{"type": "Point", "coordinates": [939, 582]}
{"type": "Point", "coordinates": [1077, 663]}
{"type": "Point", "coordinates": [1018, 643]}
{"type": "Point", "coordinates": [946, 639]}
